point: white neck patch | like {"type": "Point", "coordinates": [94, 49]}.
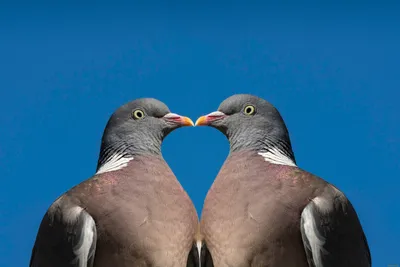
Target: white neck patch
{"type": "Point", "coordinates": [114, 163]}
{"type": "Point", "coordinates": [275, 156]}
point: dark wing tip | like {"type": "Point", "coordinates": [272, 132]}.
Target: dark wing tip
{"type": "Point", "coordinates": [200, 258]}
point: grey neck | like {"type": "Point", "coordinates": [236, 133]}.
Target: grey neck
{"type": "Point", "coordinates": [259, 141]}
{"type": "Point", "coordinates": [135, 145]}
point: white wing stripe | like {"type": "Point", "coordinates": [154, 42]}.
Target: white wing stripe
{"type": "Point", "coordinates": [314, 238]}
{"type": "Point", "coordinates": [82, 249]}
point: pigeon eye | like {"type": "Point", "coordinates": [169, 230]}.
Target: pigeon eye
{"type": "Point", "coordinates": [249, 110]}
{"type": "Point", "coordinates": [138, 114]}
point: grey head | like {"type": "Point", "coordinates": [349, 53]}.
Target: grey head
{"type": "Point", "coordinates": [250, 123]}
{"type": "Point", "coordinates": [138, 128]}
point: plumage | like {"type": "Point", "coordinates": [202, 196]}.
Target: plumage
{"type": "Point", "coordinates": [133, 211]}
{"type": "Point", "coordinates": [263, 210]}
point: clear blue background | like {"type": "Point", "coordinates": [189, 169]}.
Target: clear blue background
{"type": "Point", "coordinates": [332, 71]}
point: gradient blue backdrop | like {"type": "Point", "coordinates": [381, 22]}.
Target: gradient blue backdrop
{"type": "Point", "coordinates": [331, 70]}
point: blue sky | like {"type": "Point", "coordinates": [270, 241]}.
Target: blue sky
{"type": "Point", "coordinates": [331, 70]}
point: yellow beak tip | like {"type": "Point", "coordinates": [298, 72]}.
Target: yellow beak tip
{"type": "Point", "coordinates": [201, 121]}
{"type": "Point", "coordinates": [187, 121]}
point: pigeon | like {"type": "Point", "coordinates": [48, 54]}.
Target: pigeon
{"type": "Point", "coordinates": [133, 211]}
{"type": "Point", "coordinates": [264, 210]}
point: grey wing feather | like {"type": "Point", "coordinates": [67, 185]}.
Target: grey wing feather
{"type": "Point", "coordinates": [331, 232]}
{"type": "Point", "coordinates": [67, 237]}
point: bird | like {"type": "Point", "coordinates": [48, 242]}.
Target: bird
{"type": "Point", "coordinates": [264, 210]}
{"type": "Point", "coordinates": [133, 211]}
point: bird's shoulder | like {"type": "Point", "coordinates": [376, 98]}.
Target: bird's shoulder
{"type": "Point", "coordinates": [251, 169]}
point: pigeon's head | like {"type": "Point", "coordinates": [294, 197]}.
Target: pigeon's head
{"type": "Point", "coordinates": [249, 122]}
{"type": "Point", "coordinates": [140, 126]}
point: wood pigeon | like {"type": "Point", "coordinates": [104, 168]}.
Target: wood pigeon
{"type": "Point", "coordinates": [133, 211]}
{"type": "Point", "coordinates": [263, 210]}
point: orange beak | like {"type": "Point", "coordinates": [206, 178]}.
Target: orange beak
{"type": "Point", "coordinates": [202, 121]}
{"type": "Point", "coordinates": [186, 121]}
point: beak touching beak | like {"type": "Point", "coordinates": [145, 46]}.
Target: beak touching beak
{"type": "Point", "coordinates": [178, 119]}
{"type": "Point", "coordinates": [207, 119]}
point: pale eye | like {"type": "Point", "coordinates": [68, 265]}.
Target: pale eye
{"type": "Point", "coordinates": [138, 114]}
{"type": "Point", "coordinates": [249, 110]}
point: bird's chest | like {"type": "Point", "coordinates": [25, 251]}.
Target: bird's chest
{"type": "Point", "coordinates": [142, 224]}
{"type": "Point", "coordinates": [252, 224]}
{"type": "Point", "coordinates": [143, 236]}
